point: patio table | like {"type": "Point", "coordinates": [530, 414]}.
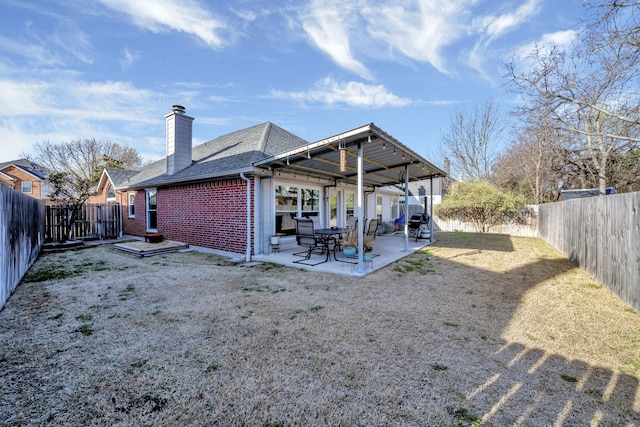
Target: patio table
{"type": "Point", "coordinates": [327, 234]}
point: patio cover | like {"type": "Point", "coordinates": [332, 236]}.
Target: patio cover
{"type": "Point", "coordinates": [374, 159]}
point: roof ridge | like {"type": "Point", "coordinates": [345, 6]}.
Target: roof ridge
{"type": "Point", "coordinates": [265, 136]}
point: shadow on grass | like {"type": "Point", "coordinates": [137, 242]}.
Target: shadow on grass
{"type": "Point", "coordinates": [585, 394]}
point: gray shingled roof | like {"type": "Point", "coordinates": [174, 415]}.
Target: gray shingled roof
{"type": "Point", "coordinates": [226, 155]}
{"type": "Point", "coordinates": [121, 177]}
{"type": "Point", "coordinates": [17, 162]}
{"type": "Point", "coordinates": [27, 166]}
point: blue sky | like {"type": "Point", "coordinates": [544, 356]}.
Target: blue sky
{"type": "Point", "coordinates": [111, 69]}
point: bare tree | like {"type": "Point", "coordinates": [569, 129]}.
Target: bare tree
{"type": "Point", "coordinates": [74, 168]}
{"type": "Point", "coordinates": [472, 141]}
{"type": "Point", "coordinates": [591, 91]}
{"type": "Point", "coordinates": [84, 159]}
{"type": "Point", "coordinates": [527, 166]}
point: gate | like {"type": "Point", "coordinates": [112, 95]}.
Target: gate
{"type": "Point", "coordinates": [94, 221]}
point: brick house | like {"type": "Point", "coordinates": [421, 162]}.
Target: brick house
{"type": "Point", "coordinates": [230, 194]}
{"type": "Point", "coordinates": [26, 177]}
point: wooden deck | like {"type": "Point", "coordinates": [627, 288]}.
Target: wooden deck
{"type": "Point", "coordinates": [143, 249]}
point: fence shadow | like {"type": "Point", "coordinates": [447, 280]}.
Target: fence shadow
{"type": "Point", "coordinates": [536, 385]}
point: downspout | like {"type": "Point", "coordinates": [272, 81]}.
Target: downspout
{"type": "Point", "coordinates": [248, 250]}
{"type": "Point", "coordinates": [366, 200]}
{"type": "Point", "coordinates": [121, 230]}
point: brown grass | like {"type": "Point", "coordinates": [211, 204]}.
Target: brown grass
{"type": "Point", "coordinates": [479, 330]}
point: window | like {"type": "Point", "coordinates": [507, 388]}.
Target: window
{"type": "Point", "coordinates": [379, 208]}
{"type": "Point", "coordinates": [292, 202]}
{"type": "Point", "coordinates": [27, 187]}
{"type": "Point", "coordinates": [152, 210]}
{"type": "Point", "coordinates": [333, 210]}
{"type": "Point", "coordinates": [111, 194]}
{"type": "Point", "coordinates": [310, 202]}
{"type": "Point", "coordinates": [350, 204]}
{"type": "Point", "coordinates": [132, 204]}
{"type": "Point", "coordinates": [286, 209]}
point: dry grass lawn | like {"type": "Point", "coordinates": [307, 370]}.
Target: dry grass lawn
{"type": "Point", "coordinates": [478, 330]}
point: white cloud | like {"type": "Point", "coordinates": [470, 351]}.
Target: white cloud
{"type": "Point", "coordinates": [73, 41]}
{"type": "Point", "coordinates": [497, 25]}
{"type": "Point", "coordinates": [34, 53]}
{"type": "Point", "coordinates": [59, 48]}
{"type": "Point", "coordinates": [186, 16]}
{"type": "Point", "coordinates": [560, 39]}
{"type": "Point", "coordinates": [326, 24]}
{"type": "Point", "coordinates": [128, 58]}
{"type": "Point", "coordinates": [419, 30]}
{"type": "Point", "coordinates": [61, 110]}
{"type": "Point", "coordinates": [490, 28]}
{"type": "Point", "coordinates": [352, 94]}
{"type": "Point", "coordinates": [351, 32]}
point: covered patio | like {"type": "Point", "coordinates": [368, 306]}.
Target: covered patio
{"type": "Point", "coordinates": [387, 250]}
{"type": "Point", "coordinates": [365, 158]}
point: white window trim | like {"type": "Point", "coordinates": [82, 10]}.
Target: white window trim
{"type": "Point", "coordinates": [146, 208]}
{"type": "Point", "coordinates": [22, 187]}
{"type": "Point", "coordinates": [129, 205]}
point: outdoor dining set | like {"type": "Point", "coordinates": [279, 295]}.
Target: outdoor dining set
{"type": "Point", "coordinates": [341, 241]}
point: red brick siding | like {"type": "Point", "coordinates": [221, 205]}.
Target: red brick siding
{"type": "Point", "coordinates": [20, 176]}
{"type": "Point", "coordinates": [137, 225]}
{"type": "Point", "coordinates": [210, 214]}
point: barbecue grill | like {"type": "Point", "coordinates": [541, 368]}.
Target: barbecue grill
{"type": "Point", "coordinates": [419, 226]}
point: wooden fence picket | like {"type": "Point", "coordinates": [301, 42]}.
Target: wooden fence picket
{"type": "Point", "coordinates": [94, 221]}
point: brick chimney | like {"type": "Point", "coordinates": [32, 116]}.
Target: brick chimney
{"type": "Point", "coordinates": [179, 136]}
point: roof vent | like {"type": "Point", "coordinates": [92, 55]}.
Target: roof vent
{"type": "Point", "coordinates": [178, 109]}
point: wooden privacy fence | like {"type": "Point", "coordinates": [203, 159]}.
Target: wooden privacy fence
{"type": "Point", "coordinates": [94, 221]}
{"type": "Point", "coordinates": [21, 235]}
{"type": "Point", "coordinates": [525, 225]}
{"type": "Point", "coordinates": [601, 235]}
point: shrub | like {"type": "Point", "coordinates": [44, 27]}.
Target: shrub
{"type": "Point", "coordinates": [480, 203]}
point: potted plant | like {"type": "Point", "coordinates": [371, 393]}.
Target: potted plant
{"type": "Point", "coordinates": [350, 243]}
{"type": "Point", "coordinates": [368, 248]}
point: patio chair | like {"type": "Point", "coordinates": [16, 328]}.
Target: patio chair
{"type": "Point", "coordinates": [316, 222]}
{"type": "Point", "coordinates": [370, 234]}
{"type": "Point", "coordinates": [306, 237]}
{"type": "Point", "coordinates": [352, 223]}
{"type": "Point", "coordinates": [372, 227]}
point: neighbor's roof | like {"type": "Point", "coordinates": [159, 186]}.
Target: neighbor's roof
{"type": "Point", "coordinates": [17, 162]}
{"type": "Point", "coordinates": [120, 177]}
{"type": "Point", "coordinates": [26, 166]}
{"type": "Point", "coordinates": [226, 155]}
{"type": "Point", "coordinates": [584, 192]}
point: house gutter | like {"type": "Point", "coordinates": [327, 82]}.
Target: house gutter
{"type": "Point", "coordinates": [248, 250]}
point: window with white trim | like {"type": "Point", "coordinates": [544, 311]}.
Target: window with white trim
{"type": "Point", "coordinates": [152, 210]}
{"type": "Point", "coordinates": [27, 187]}
{"type": "Point", "coordinates": [131, 196]}
{"type": "Point", "coordinates": [292, 202]}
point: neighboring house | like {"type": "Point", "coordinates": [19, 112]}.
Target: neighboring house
{"type": "Point", "coordinates": [585, 192]}
{"type": "Point", "coordinates": [232, 193]}
{"type": "Point", "coordinates": [26, 177]}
